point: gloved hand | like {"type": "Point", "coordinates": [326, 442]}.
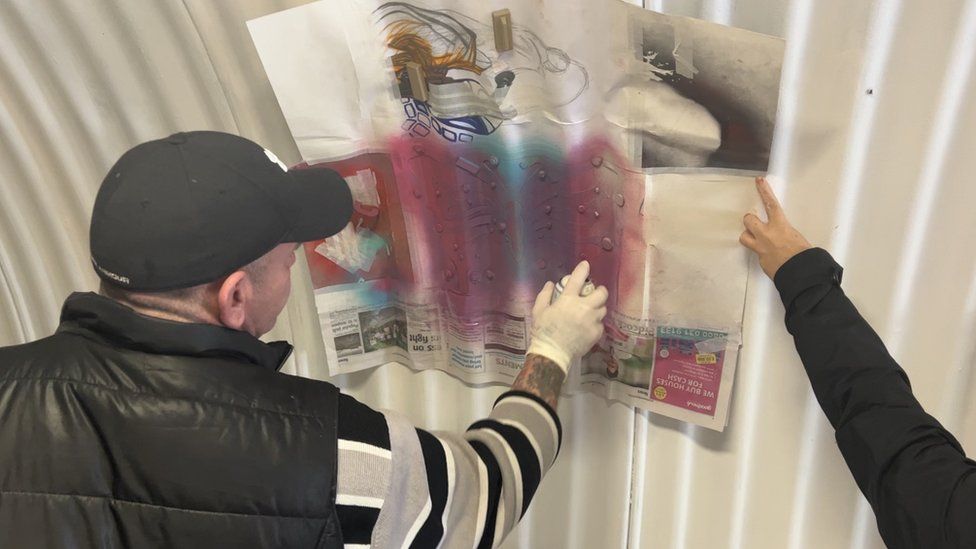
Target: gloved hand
{"type": "Point", "coordinates": [566, 329]}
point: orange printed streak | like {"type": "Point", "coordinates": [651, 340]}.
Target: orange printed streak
{"type": "Point", "coordinates": [411, 46]}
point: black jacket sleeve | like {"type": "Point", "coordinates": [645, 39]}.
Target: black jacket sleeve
{"type": "Point", "coordinates": [912, 471]}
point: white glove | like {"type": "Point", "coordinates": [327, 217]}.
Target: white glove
{"type": "Point", "coordinates": [566, 329]}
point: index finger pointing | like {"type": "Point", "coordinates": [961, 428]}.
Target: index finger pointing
{"type": "Point", "coordinates": [770, 202]}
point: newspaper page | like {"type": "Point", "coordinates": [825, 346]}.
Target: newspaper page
{"type": "Point", "coordinates": [479, 174]}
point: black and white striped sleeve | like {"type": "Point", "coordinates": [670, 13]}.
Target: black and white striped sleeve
{"type": "Point", "coordinates": [364, 471]}
{"type": "Point", "coordinates": [450, 490]}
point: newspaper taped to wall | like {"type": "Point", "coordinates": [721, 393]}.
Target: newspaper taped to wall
{"type": "Point", "coordinates": [479, 174]}
{"type": "Point", "coordinates": [671, 346]}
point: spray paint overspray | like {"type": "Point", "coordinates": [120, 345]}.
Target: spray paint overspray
{"type": "Point", "coordinates": [492, 222]}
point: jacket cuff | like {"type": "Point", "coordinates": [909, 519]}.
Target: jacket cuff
{"type": "Point", "coordinates": [805, 270]}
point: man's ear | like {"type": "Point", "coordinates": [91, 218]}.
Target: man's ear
{"type": "Point", "coordinates": [232, 298]}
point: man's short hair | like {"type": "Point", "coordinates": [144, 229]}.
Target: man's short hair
{"type": "Point", "coordinates": [181, 301]}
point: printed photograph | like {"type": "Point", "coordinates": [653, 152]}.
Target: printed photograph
{"type": "Point", "coordinates": [628, 361]}
{"type": "Point", "coordinates": [383, 328]}
{"type": "Point", "coordinates": [706, 94]}
{"type": "Point", "coordinates": [348, 344]}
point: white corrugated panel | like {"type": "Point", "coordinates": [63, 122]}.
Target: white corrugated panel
{"type": "Point", "coordinates": [874, 156]}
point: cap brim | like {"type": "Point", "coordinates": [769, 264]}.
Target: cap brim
{"type": "Point", "coordinates": [323, 204]}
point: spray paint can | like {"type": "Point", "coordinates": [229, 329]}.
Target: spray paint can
{"type": "Point", "coordinates": [588, 288]}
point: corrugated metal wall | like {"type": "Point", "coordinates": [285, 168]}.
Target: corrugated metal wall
{"type": "Point", "coordinates": [874, 154]}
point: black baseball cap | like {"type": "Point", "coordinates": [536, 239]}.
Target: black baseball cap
{"type": "Point", "coordinates": [196, 206]}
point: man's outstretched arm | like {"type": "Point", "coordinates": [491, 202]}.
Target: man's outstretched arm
{"type": "Point", "coordinates": [911, 470]}
{"type": "Point", "coordinates": [404, 486]}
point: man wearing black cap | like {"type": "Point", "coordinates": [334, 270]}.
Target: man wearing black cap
{"type": "Point", "coordinates": [155, 417]}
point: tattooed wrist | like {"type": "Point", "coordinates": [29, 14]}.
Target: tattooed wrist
{"type": "Point", "coordinates": [542, 377]}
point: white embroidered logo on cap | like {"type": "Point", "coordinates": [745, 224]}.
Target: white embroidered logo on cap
{"type": "Point", "coordinates": [274, 158]}
{"type": "Point", "coordinates": [116, 277]}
